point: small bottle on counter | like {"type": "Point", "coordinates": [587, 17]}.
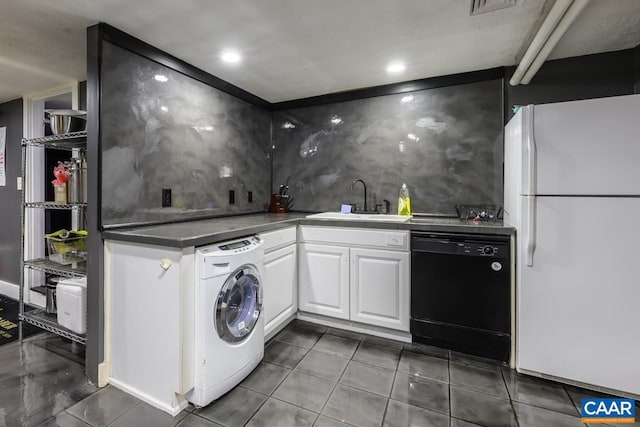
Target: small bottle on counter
{"type": "Point", "coordinates": [404, 202]}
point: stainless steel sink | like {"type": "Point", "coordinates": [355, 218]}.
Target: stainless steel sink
{"type": "Point", "coordinates": [360, 217]}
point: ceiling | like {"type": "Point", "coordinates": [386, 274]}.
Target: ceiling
{"type": "Point", "coordinates": [299, 48]}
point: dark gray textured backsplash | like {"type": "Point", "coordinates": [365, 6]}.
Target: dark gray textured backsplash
{"type": "Point", "coordinates": [445, 143]}
{"type": "Point", "coordinates": [179, 134]}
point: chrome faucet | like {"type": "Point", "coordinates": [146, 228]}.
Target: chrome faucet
{"type": "Point", "coordinates": [365, 191]}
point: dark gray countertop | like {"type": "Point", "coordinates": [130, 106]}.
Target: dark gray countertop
{"type": "Point", "coordinates": [207, 231]}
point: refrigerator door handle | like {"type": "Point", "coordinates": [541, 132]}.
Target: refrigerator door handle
{"type": "Point", "coordinates": [529, 235]}
{"type": "Point", "coordinates": [529, 160]}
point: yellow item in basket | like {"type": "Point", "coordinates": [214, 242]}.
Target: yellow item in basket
{"type": "Point", "coordinates": [63, 241]}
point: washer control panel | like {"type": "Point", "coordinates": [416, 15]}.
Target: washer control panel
{"type": "Point", "coordinates": [233, 246]}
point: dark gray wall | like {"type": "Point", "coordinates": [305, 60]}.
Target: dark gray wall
{"type": "Point", "coordinates": [445, 143]}
{"type": "Point", "coordinates": [11, 118]}
{"type": "Point", "coordinates": [180, 134]}
{"type": "Point", "coordinates": [570, 79]}
{"type": "Point", "coordinates": [82, 95]}
{"type": "Point", "coordinates": [636, 69]}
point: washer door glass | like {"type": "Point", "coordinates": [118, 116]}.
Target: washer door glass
{"type": "Point", "coordinates": [239, 304]}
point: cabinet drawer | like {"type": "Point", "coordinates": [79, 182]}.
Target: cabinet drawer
{"type": "Point", "coordinates": [278, 238]}
{"type": "Point", "coordinates": [374, 238]}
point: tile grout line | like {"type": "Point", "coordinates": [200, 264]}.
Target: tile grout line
{"type": "Point", "coordinates": [273, 340]}
{"type": "Point", "coordinates": [513, 408]}
{"type": "Point", "coordinates": [270, 396]}
{"type": "Point", "coordinates": [288, 403]}
{"type": "Point", "coordinates": [356, 388]}
{"type": "Point", "coordinates": [478, 389]}
{"type": "Point", "coordinates": [422, 378]}
{"type": "Point", "coordinates": [339, 378]}
{"type": "Point", "coordinates": [395, 373]}
{"type": "Point", "coordinates": [449, 386]}
{"type": "Point", "coordinates": [126, 412]}
{"type": "Point", "coordinates": [202, 418]}
{"type": "Point", "coordinates": [310, 373]}
{"type": "Point", "coordinates": [259, 406]}
{"type": "Point", "coordinates": [564, 387]}
{"type": "Point", "coordinates": [535, 405]}
{"type": "Point", "coordinates": [573, 402]}
{"type": "Point", "coordinates": [393, 383]}
{"type": "Point", "coordinates": [69, 413]}
{"type": "Point", "coordinates": [371, 364]}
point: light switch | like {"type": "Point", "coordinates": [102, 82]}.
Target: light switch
{"type": "Point", "coordinates": [19, 183]}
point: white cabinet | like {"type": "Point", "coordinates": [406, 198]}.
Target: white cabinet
{"type": "Point", "coordinates": [380, 288]}
{"type": "Point", "coordinates": [360, 275]}
{"type": "Point", "coordinates": [280, 286]}
{"type": "Point", "coordinates": [324, 280]}
{"type": "Point", "coordinates": [280, 278]}
{"type": "Point", "coordinates": [149, 322]}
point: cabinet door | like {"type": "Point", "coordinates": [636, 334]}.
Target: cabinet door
{"type": "Point", "coordinates": [324, 280]}
{"type": "Point", "coordinates": [380, 288]}
{"type": "Point", "coordinates": [280, 297]}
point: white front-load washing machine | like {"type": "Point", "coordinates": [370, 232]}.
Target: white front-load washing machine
{"type": "Point", "coordinates": [229, 328]}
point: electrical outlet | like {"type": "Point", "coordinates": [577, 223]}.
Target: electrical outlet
{"type": "Point", "coordinates": [166, 197]}
{"type": "Point", "coordinates": [250, 196]}
{"type": "Point", "coordinates": [232, 197]}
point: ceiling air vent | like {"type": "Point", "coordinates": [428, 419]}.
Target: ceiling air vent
{"type": "Point", "coordinates": [484, 6]}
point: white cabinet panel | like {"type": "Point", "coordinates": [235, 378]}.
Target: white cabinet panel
{"type": "Point", "coordinates": [278, 238]}
{"type": "Point", "coordinates": [280, 287]}
{"type": "Point", "coordinates": [380, 288]}
{"type": "Point", "coordinates": [365, 237]}
{"type": "Point", "coordinates": [150, 319]}
{"type": "Point", "coordinates": [324, 280]}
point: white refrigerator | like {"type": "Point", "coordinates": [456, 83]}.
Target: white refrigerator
{"type": "Point", "coordinates": [572, 191]}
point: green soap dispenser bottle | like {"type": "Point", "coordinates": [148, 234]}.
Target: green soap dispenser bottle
{"type": "Point", "coordinates": [404, 202]}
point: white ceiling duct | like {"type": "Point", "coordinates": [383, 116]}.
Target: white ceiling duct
{"type": "Point", "coordinates": [563, 13]}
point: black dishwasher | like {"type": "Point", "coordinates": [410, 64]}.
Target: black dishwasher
{"type": "Point", "coordinates": [461, 293]}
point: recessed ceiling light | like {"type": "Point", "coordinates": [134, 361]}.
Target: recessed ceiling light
{"type": "Point", "coordinates": [231, 57]}
{"type": "Point", "coordinates": [407, 98]}
{"type": "Point", "coordinates": [161, 78]}
{"type": "Point", "coordinates": [395, 67]}
{"type": "Point", "coordinates": [336, 120]}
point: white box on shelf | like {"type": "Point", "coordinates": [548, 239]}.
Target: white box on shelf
{"type": "Point", "coordinates": [72, 304]}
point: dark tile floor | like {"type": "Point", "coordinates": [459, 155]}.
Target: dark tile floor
{"type": "Point", "coordinates": [39, 379]}
{"type": "Point", "coordinates": [317, 376]}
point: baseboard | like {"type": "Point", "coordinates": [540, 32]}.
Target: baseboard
{"type": "Point", "coordinates": [355, 326]}
{"type": "Point", "coordinates": [281, 325]}
{"type": "Point", "coordinates": [9, 289]}
{"type": "Point", "coordinates": [104, 371]}
{"type": "Point", "coordinates": [13, 291]}
{"type": "Point", "coordinates": [163, 406]}
{"type": "Point", "coordinates": [587, 386]}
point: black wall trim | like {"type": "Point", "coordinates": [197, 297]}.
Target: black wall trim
{"type": "Point", "coordinates": [392, 89]}
{"type": "Point", "coordinates": [126, 41]}
{"type": "Point", "coordinates": [636, 69]}
{"type": "Point", "coordinates": [95, 265]}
